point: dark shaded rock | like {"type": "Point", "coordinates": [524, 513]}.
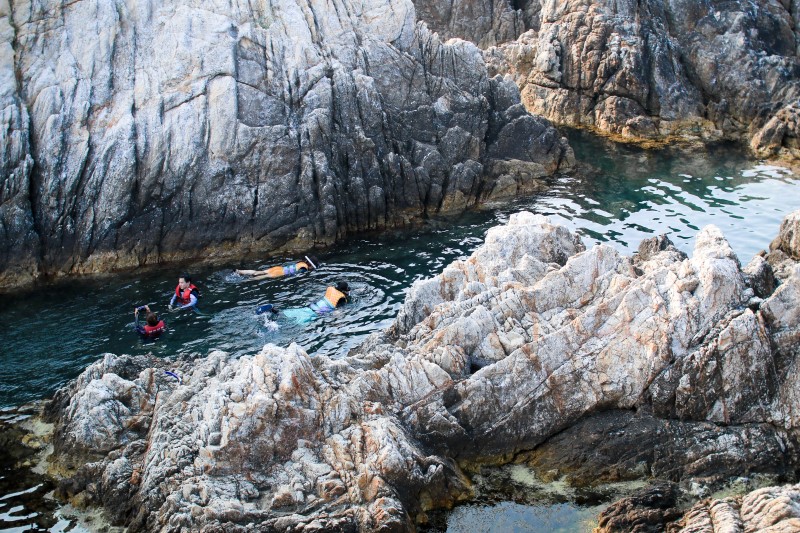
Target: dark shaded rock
{"type": "Point", "coordinates": [788, 239]}
{"type": "Point", "coordinates": [621, 445]}
{"type": "Point", "coordinates": [760, 276]}
{"type": "Point", "coordinates": [648, 248]}
{"type": "Point", "coordinates": [19, 239]}
{"type": "Point", "coordinates": [647, 511]}
{"type": "Point", "coordinates": [484, 22]}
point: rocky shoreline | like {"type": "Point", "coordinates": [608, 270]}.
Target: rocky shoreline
{"type": "Point", "coordinates": [288, 126]}
{"type": "Point", "coordinates": [277, 126]}
{"type": "Point", "coordinates": [583, 365]}
{"type": "Point", "coordinates": [650, 72]}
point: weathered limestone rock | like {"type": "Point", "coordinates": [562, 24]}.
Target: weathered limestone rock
{"type": "Point", "coordinates": [788, 239]}
{"type": "Point", "coordinates": [658, 71]}
{"type": "Point", "coordinates": [768, 509]}
{"type": "Point", "coordinates": [586, 363]}
{"type": "Point", "coordinates": [647, 511]}
{"type": "Point", "coordinates": [170, 131]}
{"type": "Point", "coordinates": [19, 242]}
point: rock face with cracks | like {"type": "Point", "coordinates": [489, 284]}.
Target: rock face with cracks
{"type": "Point", "coordinates": [584, 362]}
{"type": "Point", "coordinates": [134, 133]}
{"type": "Point", "coordinates": [773, 509]}
{"type": "Point", "coordinates": [648, 70]}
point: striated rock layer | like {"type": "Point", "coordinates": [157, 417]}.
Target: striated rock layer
{"type": "Point", "coordinates": [133, 133]}
{"type": "Point", "coordinates": [648, 70]}
{"type": "Point", "coordinates": [584, 364]}
{"type": "Point", "coordinates": [773, 509]}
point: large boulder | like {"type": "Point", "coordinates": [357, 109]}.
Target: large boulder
{"type": "Point", "coordinates": [766, 509]}
{"type": "Point", "coordinates": [656, 71]}
{"type": "Point", "coordinates": [587, 363]}
{"type": "Point", "coordinates": [19, 241]}
{"type": "Point", "coordinates": [166, 132]}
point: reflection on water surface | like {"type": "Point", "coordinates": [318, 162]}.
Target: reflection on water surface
{"type": "Point", "coordinates": [51, 334]}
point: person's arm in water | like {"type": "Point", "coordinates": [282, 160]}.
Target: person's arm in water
{"type": "Point", "coordinates": [139, 328]}
{"type": "Point", "coordinates": [192, 302]}
{"type": "Point", "coordinates": [172, 301]}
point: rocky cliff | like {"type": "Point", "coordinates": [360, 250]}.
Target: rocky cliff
{"type": "Point", "coordinates": [583, 364]}
{"type": "Point", "coordinates": [648, 70]}
{"type": "Point", "coordinates": [133, 133]}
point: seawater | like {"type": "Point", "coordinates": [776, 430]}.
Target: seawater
{"type": "Point", "coordinates": [623, 194]}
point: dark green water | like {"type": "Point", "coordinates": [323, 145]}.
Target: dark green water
{"type": "Point", "coordinates": [50, 335]}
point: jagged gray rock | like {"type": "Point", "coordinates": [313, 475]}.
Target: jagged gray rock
{"type": "Point", "coordinates": [773, 509]}
{"type": "Point", "coordinates": [19, 242]}
{"type": "Point", "coordinates": [767, 509]}
{"type": "Point", "coordinates": [484, 22]}
{"type": "Point", "coordinates": [584, 362]}
{"type": "Point", "coordinates": [659, 71]}
{"type": "Point", "coordinates": [174, 131]}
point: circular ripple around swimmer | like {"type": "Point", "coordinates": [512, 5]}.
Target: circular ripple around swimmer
{"type": "Point", "coordinates": [231, 323]}
{"type": "Point", "coordinates": [50, 335]}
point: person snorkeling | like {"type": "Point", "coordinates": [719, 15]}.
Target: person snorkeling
{"type": "Point", "coordinates": [334, 297]}
{"type": "Point", "coordinates": [153, 327]}
{"type": "Point", "coordinates": [186, 293]}
{"type": "Point", "coordinates": [289, 269]}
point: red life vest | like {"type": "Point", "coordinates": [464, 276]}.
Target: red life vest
{"type": "Point", "coordinates": [183, 296]}
{"type": "Point", "coordinates": [152, 331]}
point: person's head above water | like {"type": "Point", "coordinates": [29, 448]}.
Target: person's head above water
{"type": "Point", "coordinates": [312, 262]}
{"type": "Point", "coordinates": [152, 319]}
{"type": "Point", "coordinates": [184, 280]}
{"type": "Point", "coordinates": [342, 286]}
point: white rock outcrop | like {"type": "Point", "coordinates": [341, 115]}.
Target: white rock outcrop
{"type": "Point", "coordinates": [661, 365]}
{"type": "Point", "coordinates": [170, 130]}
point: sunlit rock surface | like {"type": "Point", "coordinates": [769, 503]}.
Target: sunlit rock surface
{"type": "Point", "coordinates": [134, 133]}
{"type": "Point", "coordinates": [647, 70]}
{"type": "Point", "coordinates": [773, 509]}
{"type": "Point", "coordinates": [584, 364]}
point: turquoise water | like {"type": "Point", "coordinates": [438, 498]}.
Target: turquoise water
{"type": "Point", "coordinates": [51, 334]}
{"type": "Point", "coordinates": [511, 517]}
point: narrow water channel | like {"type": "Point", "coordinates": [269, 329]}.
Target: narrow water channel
{"type": "Point", "coordinates": [52, 333]}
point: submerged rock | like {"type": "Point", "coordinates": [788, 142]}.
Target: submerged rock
{"type": "Point", "coordinates": [585, 364]}
{"type": "Point", "coordinates": [168, 132]}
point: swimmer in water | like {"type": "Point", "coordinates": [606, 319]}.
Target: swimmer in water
{"type": "Point", "coordinates": [334, 297]}
{"type": "Point", "coordinates": [186, 293]}
{"type": "Point", "coordinates": [289, 269]}
{"type": "Point", "coordinates": [153, 327]}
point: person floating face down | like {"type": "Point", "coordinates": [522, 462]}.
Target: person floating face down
{"type": "Point", "coordinates": [153, 327]}
{"type": "Point", "coordinates": [186, 293]}
{"type": "Point", "coordinates": [289, 269]}
{"type": "Point", "coordinates": [334, 297]}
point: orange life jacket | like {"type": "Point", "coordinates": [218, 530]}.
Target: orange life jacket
{"type": "Point", "coordinates": [182, 296]}
{"type": "Point", "coordinates": [335, 297]}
